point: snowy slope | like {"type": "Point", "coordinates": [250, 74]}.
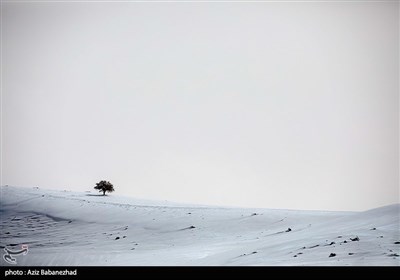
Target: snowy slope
{"type": "Point", "coordinates": [69, 228]}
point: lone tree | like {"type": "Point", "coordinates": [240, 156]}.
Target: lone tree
{"type": "Point", "coordinates": [104, 186]}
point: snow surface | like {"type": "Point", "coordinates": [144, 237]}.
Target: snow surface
{"type": "Point", "coordinates": [70, 228]}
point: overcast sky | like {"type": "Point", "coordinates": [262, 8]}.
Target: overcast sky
{"type": "Point", "coordinates": [276, 105]}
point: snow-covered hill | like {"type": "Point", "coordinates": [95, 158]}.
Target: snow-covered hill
{"type": "Point", "coordinates": [69, 228]}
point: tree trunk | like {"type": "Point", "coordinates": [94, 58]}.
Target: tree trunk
{"type": "Point", "coordinates": [104, 192]}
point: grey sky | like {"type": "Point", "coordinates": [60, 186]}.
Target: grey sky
{"type": "Point", "coordinates": [277, 105]}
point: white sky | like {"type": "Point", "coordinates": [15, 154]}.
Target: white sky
{"type": "Point", "coordinates": [276, 105]}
